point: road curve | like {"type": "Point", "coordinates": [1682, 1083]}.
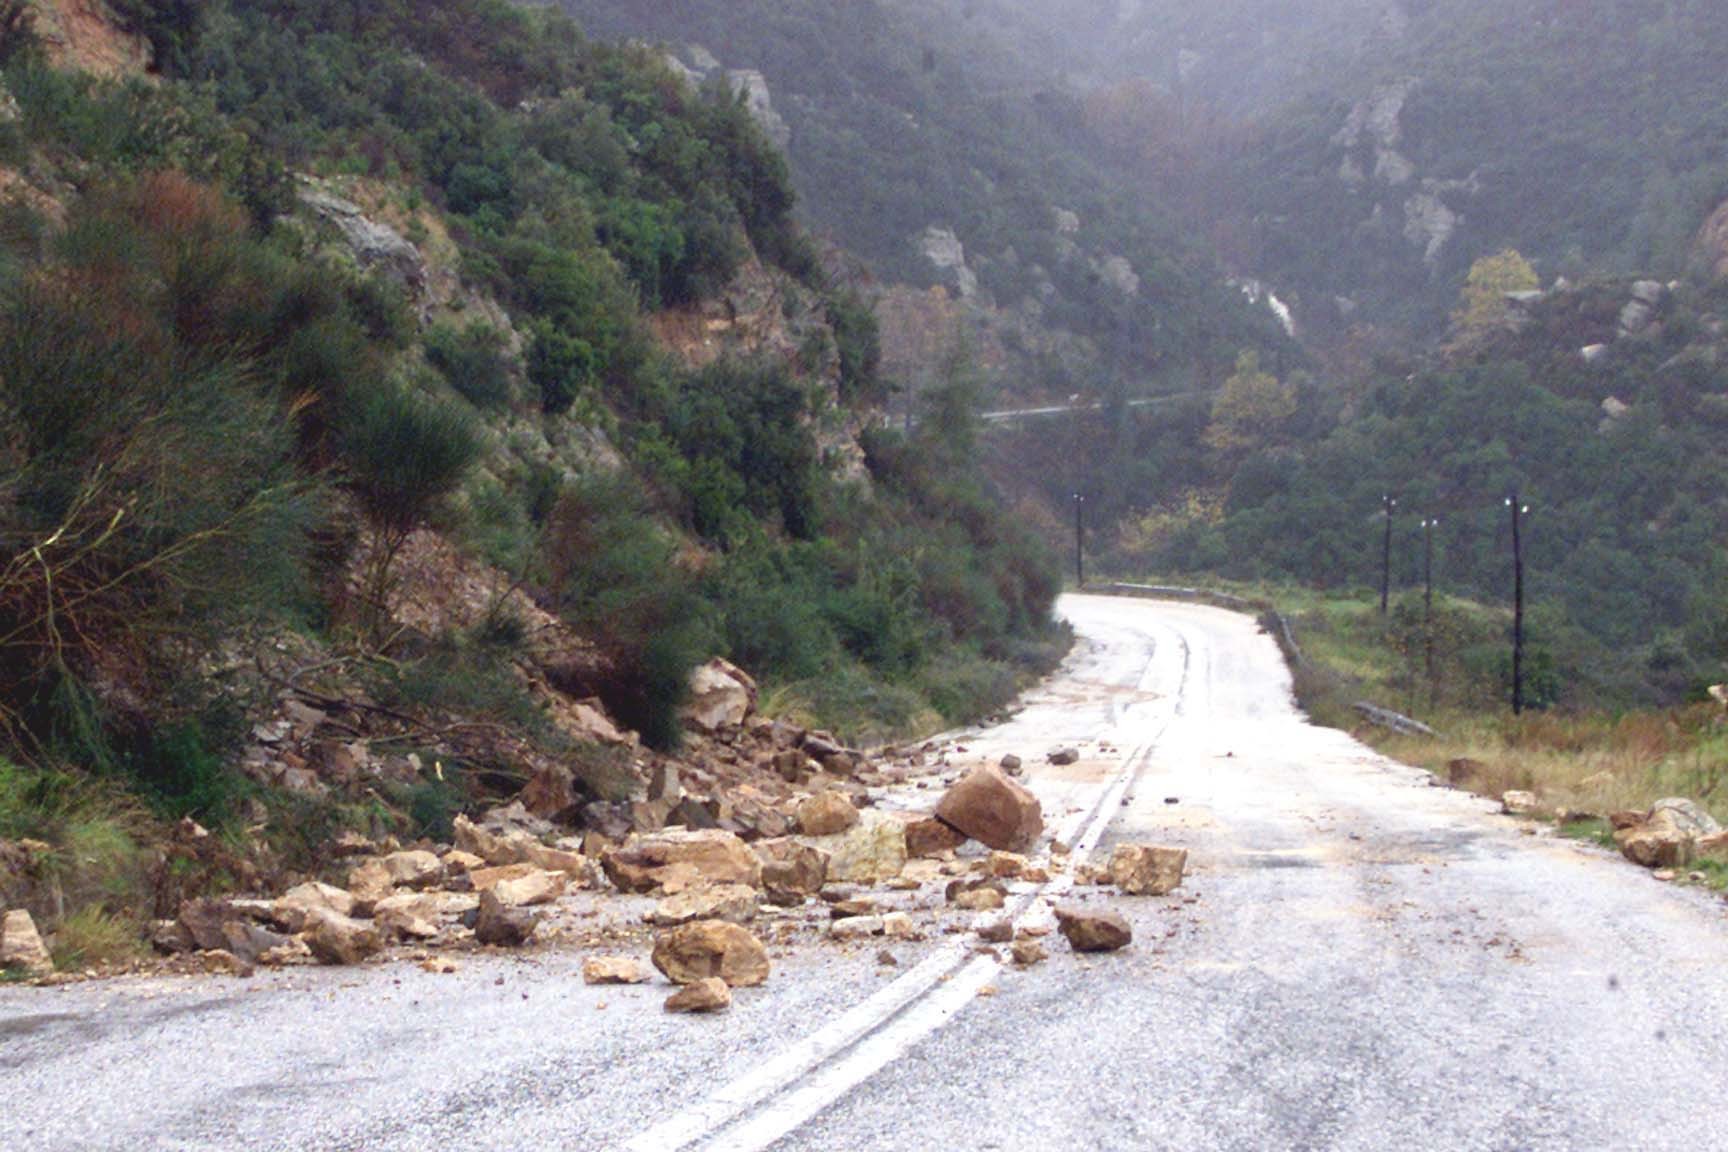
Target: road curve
{"type": "Point", "coordinates": [1357, 961]}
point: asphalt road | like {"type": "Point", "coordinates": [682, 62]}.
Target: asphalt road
{"type": "Point", "coordinates": [1357, 961]}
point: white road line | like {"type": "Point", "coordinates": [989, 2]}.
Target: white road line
{"type": "Point", "coordinates": [813, 1073]}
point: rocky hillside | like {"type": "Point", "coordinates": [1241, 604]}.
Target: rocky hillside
{"type": "Point", "coordinates": [397, 407]}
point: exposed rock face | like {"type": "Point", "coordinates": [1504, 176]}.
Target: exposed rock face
{"type": "Point", "coordinates": [675, 860]}
{"type": "Point", "coordinates": [711, 995]}
{"type": "Point", "coordinates": [947, 256]}
{"type": "Point", "coordinates": [1093, 930]}
{"type": "Point", "coordinates": [1713, 241]}
{"type": "Point", "coordinates": [826, 814]}
{"type": "Point", "coordinates": [992, 809]}
{"type": "Point", "coordinates": [721, 696]}
{"type": "Point", "coordinates": [710, 948]}
{"type": "Point", "coordinates": [1371, 135]}
{"type": "Point", "coordinates": [1147, 869]}
{"type": "Point", "coordinates": [753, 87]}
{"type": "Point", "coordinates": [1429, 225]}
{"type": "Point", "coordinates": [375, 246]}
{"type": "Point", "coordinates": [21, 947]}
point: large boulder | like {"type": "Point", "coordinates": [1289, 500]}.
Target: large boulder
{"type": "Point", "coordinates": [1147, 869]}
{"type": "Point", "coordinates": [993, 810]}
{"type": "Point", "coordinates": [826, 814]}
{"type": "Point", "coordinates": [504, 926]}
{"type": "Point", "coordinates": [709, 948]}
{"type": "Point", "coordinates": [1668, 837]}
{"type": "Point", "coordinates": [300, 905]}
{"type": "Point", "coordinates": [341, 940]}
{"type": "Point", "coordinates": [496, 848]}
{"type": "Point", "coordinates": [416, 868]}
{"type": "Point", "coordinates": [1093, 930]}
{"type": "Point", "coordinates": [722, 696]}
{"type": "Point", "coordinates": [675, 860]}
{"type": "Point", "coordinates": [221, 926]}
{"type": "Point", "coordinates": [791, 871]}
{"type": "Point", "coordinates": [21, 947]}
{"type": "Point", "coordinates": [872, 852]}
{"type": "Point", "coordinates": [928, 837]}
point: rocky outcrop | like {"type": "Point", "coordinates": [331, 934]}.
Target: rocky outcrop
{"type": "Point", "coordinates": [1371, 135]}
{"type": "Point", "coordinates": [1713, 242]}
{"type": "Point", "coordinates": [752, 87]}
{"type": "Point", "coordinates": [942, 248]}
{"type": "Point", "coordinates": [376, 246]}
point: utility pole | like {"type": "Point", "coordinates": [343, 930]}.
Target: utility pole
{"type": "Point", "coordinates": [1519, 510]}
{"type": "Point", "coordinates": [1428, 527]}
{"type": "Point", "coordinates": [1387, 503]}
{"type": "Point", "coordinates": [1080, 540]}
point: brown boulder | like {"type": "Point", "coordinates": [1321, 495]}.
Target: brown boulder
{"type": "Point", "coordinates": [503, 926]}
{"type": "Point", "coordinates": [416, 868]}
{"type": "Point", "coordinates": [826, 814]}
{"type": "Point", "coordinates": [707, 948]}
{"type": "Point", "coordinates": [675, 860]}
{"type": "Point", "coordinates": [298, 906]}
{"type": "Point", "coordinates": [710, 995]}
{"type": "Point", "coordinates": [1090, 930]}
{"type": "Point", "coordinates": [1147, 869]}
{"type": "Point", "coordinates": [929, 837]}
{"type": "Point", "coordinates": [791, 871]}
{"type": "Point", "coordinates": [336, 939]}
{"type": "Point", "coordinates": [993, 810]}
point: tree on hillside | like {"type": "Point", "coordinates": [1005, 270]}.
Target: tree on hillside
{"type": "Point", "coordinates": [1249, 408]}
{"type": "Point", "coordinates": [1482, 306]}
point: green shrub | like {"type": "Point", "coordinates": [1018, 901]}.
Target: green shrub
{"type": "Point", "coordinates": [473, 360]}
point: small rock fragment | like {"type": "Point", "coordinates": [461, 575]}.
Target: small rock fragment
{"type": "Point", "coordinates": [707, 995]}
{"type": "Point", "coordinates": [502, 925]}
{"type": "Point", "coordinates": [613, 970]}
{"type": "Point", "coordinates": [1027, 952]}
{"type": "Point", "coordinates": [1062, 757]}
{"type": "Point", "coordinates": [1090, 930]}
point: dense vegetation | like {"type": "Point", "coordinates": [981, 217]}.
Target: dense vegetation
{"type": "Point", "coordinates": [220, 428]}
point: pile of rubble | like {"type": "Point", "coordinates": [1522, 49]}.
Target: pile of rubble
{"type": "Point", "coordinates": [763, 833]}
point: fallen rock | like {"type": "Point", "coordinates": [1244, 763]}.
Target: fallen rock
{"type": "Point", "coordinates": [537, 886]}
{"type": "Point", "coordinates": [613, 970]}
{"type": "Point", "coordinates": [504, 926]}
{"type": "Point", "coordinates": [21, 947]}
{"type": "Point", "coordinates": [341, 940]}
{"type": "Point", "coordinates": [415, 868]}
{"type": "Point", "coordinates": [980, 900]}
{"type": "Point", "coordinates": [694, 952]}
{"type": "Point", "coordinates": [219, 926]}
{"type": "Point", "coordinates": [993, 810]}
{"type": "Point", "coordinates": [1520, 804]}
{"type": "Point", "coordinates": [899, 926]}
{"type": "Point", "coordinates": [298, 906]}
{"type": "Point", "coordinates": [1715, 847]}
{"type": "Point", "coordinates": [856, 927]}
{"type": "Point", "coordinates": [1012, 764]}
{"type": "Point", "coordinates": [1063, 757]}
{"type": "Point", "coordinates": [872, 852]}
{"type": "Point", "coordinates": [721, 696]}
{"type": "Point", "coordinates": [1027, 952]}
{"type": "Point", "coordinates": [495, 848]}
{"type": "Point", "coordinates": [710, 995]}
{"type": "Point", "coordinates": [928, 837]}
{"type": "Point", "coordinates": [676, 859]}
{"type": "Point", "coordinates": [1147, 869]}
{"type": "Point", "coordinates": [1007, 865]}
{"type": "Point", "coordinates": [1093, 930]}
{"type": "Point", "coordinates": [735, 903]}
{"type": "Point", "coordinates": [369, 882]}
{"type": "Point", "coordinates": [791, 871]}
{"type": "Point", "coordinates": [409, 915]}
{"type": "Point", "coordinates": [218, 962]}
{"type": "Point", "coordinates": [1668, 837]}
{"type": "Point", "coordinates": [995, 929]}
{"type": "Point", "coordinates": [826, 814]}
